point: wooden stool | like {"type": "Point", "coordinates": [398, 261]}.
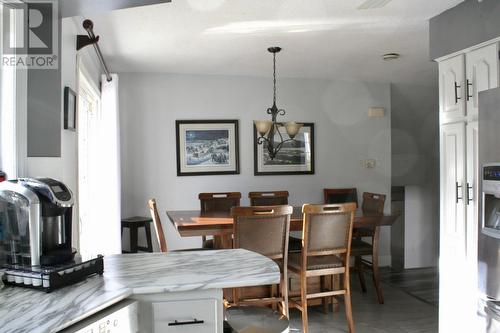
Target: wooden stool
{"type": "Point", "coordinates": [134, 223]}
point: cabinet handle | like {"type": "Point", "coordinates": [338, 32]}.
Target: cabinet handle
{"type": "Point", "coordinates": [469, 196]}
{"type": "Point", "coordinates": [189, 322]}
{"type": "Point", "coordinates": [469, 96]}
{"type": "Point", "coordinates": [456, 92]}
{"type": "Point", "coordinates": [456, 192]}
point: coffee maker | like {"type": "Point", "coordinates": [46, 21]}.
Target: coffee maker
{"type": "Point", "coordinates": [35, 222]}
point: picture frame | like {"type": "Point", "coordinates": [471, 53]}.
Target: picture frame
{"type": "Point", "coordinates": [299, 157]}
{"type": "Point", "coordinates": [207, 147]}
{"type": "Point", "coordinates": [69, 109]}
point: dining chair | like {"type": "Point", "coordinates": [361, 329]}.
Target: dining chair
{"type": "Point", "coordinates": [340, 195]}
{"type": "Point", "coordinates": [326, 246]}
{"type": "Point", "coordinates": [265, 230]}
{"type": "Point", "coordinates": [373, 203]}
{"type": "Point", "coordinates": [160, 235]}
{"type": "Point", "coordinates": [268, 198]}
{"type": "Point", "coordinates": [217, 202]}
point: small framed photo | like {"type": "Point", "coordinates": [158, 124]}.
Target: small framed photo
{"type": "Point", "coordinates": [69, 109]}
{"type": "Point", "coordinates": [294, 158]}
{"type": "Point", "coordinates": [207, 147]}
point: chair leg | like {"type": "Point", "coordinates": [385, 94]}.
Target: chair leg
{"type": "Point", "coordinates": [284, 295]}
{"type": "Point", "coordinates": [274, 293]}
{"type": "Point", "coordinates": [148, 237]}
{"type": "Point", "coordinates": [133, 240]}
{"type": "Point", "coordinates": [376, 279]}
{"type": "Point", "coordinates": [348, 305]}
{"type": "Point", "coordinates": [335, 286]}
{"type": "Point", "coordinates": [236, 296]}
{"type": "Point", "coordinates": [303, 302]}
{"type": "Point", "coordinates": [359, 268]}
{"type": "Point", "coordinates": [324, 300]}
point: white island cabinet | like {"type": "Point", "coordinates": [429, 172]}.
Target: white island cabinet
{"type": "Point", "coordinates": [178, 292]}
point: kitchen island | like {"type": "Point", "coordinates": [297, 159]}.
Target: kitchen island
{"type": "Point", "coordinates": [197, 274]}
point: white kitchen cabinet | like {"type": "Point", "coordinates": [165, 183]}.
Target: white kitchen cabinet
{"type": "Point", "coordinates": [189, 316]}
{"type": "Point", "coordinates": [451, 88]}
{"type": "Point", "coordinates": [452, 189]}
{"type": "Point", "coordinates": [482, 74]}
{"type": "Point", "coordinates": [181, 312]}
{"type": "Point", "coordinates": [452, 228]}
{"type": "Point", "coordinates": [472, 191]}
{"type": "Point", "coordinates": [461, 78]}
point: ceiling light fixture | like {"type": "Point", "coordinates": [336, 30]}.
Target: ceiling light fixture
{"type": "Point", "coordinates": [373, 4]}
{"type": "Point", "coordinates": [268, 129]}
{"type": "Point", "coordinates": [391, 56]}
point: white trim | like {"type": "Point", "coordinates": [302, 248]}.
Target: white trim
{"type": "Point", "coordinates": [22, 122]}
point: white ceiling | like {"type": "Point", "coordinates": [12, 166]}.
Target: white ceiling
{"type": "Point", "coordinates": [320, 38]}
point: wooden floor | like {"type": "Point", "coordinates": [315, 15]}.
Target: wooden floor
{"type": "Point", "coordinates": [410, 306]}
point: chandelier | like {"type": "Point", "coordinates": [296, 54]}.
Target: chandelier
{"type": "Point", "coordinates": [269, 129]}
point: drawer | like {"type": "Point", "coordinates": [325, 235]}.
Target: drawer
{"type": "Point", "coordinates": [186, 316]}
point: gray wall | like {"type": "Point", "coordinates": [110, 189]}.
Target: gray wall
{"type": "Point", "coordinates": [415, 134]}
{"type": "Point", "coordinates": [44, 110]}
{"type": "Point", "coordinates": [415, 165]}
{"type": "Point", "coordinates": [468, 24]}
{"type": "Point", "coordinates": [344, 136]}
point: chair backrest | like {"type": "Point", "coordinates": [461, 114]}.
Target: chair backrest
{"type": "Point", "coordinates": [327, 229]}
{"type": "Point", "coordinates": [373, 203]}
{"type": "Point", "coordinates": [340, 195]}
{"type": "Point", "coordinates": [263, 229]}
{"type": "Point", "coordinates": [269, 198]}
{"type": "Point", "coordinates": [160, 236]}
{"type": "Point", "coordinates": [219, 202]}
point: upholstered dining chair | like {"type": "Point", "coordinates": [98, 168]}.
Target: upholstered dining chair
{"type": "Point", "coordinates": [340, 195]}
{"type": "Point", "coordinates": [373, 203]}
{"type": "Point", "coordinates": [268, 198]}
{"type": "Point", "coordinates": [326, 246]}
{"type": "Point", "coordinates": [264, 230]}
{"type": "Point", "coordinates": [217, 202]}
{"type": "Point", "coordinates": [160, 235]}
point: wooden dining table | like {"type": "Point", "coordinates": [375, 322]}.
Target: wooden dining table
{"type": "Point", "coordinates": [191, 223]}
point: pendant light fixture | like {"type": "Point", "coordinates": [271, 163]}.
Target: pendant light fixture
{"type": "Point", "coordinates": [268, 129]}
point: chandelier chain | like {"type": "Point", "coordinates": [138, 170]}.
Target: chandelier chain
{"type": "Point", "coordinates": [274, 78]}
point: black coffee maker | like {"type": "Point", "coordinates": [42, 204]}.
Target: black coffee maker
{"type": "Point", "coordinates": [36, 222]}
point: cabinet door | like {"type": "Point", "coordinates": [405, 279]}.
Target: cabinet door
{"type": "Point", "coordinates": [452, 308]}
{"type": "Point", "coordinates": [472, 190]}
{"type": "Point", "coordinates": [472, 223]}
{"type": "Point", "coordinates": [452, 181]}
{"type": "Point", "coordinates": [451, 88]}
{"type": "Point", "coordinates": [482, 74]}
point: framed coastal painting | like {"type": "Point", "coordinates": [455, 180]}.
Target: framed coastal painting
{"type": "Point", "coordinates": [207, 147]}
{"type": "Point", "coordinates": [294, 158]}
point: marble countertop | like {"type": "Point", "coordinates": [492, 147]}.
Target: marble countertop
{"type": "Point", "coordinates": [30, 311]}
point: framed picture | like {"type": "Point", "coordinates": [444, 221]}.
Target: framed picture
{"type": "Point", "coordinates": [69, 109]}
{"type": "Point", "coordinates": [207, 147]}
{"type": "Point", "coordinates": [294, 158]}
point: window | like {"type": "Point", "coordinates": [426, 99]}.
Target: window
{"type": "Point", "coordinates": [13, 98]}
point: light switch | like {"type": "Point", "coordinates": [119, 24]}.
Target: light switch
{"type": "Point", "coordinates": [369, 163]}
{"type": "Point", "coordinates": [376, 112]}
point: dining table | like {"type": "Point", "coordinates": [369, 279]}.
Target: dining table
{"type": "Point", "coordinates": [219, 224]}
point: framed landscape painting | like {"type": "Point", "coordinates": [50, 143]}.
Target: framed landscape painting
{"type": "Point", "coordinates": [207, 147]}
{"type": "Point", "coordinates": [295, 157]}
